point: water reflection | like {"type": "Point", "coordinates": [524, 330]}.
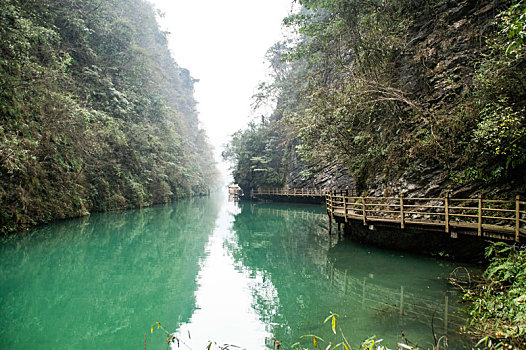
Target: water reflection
{"type": "Point", "coordinates": [224, 312]}
{"type": "Point", "coordinates": [374, 291]}
{"type": "Point", "coordinates": [211, 269]}
{"type": "Point", "coordinates": [101, 282]}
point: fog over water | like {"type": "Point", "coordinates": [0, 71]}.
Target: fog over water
{"type": "Point", "coordinates": [223, 44]}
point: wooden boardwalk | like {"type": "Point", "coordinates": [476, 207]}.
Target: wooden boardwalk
{"type": "Point", "coordinates": [292, 192]}
{"type": "Point", "coordinates": [488, 218]}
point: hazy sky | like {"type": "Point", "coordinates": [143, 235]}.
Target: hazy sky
{"type": "Point", "coordinates": [223, 44]}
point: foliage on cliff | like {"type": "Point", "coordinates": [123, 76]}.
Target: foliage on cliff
{"type": "Point", "coordinates": [261, 152]}
{"type": "Point", "coordinates": [94, 113]}
{"type": "Point", "coordinates": [387, 85]}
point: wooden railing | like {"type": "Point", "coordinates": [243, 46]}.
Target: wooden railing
{"type": "Point", "coordinates": [485, 217]}
{"type": "Point", "coordinates": [298, 192]}
{"type": "Point", "coordinates": [301, 192]}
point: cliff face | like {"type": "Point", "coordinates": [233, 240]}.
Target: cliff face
{"type": "Point", "coordinates": [444, 45]}
{"type": "Point", "coordinates": [413, 96]}
{"type": "Point", "coordinates": [328, 176]}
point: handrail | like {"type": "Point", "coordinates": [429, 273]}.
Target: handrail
{"type": "Point", "coordinates": [507, 217]}
{"type": "Point", "coordinates": [298, 191]}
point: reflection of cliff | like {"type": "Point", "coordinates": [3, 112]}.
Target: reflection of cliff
{"type": "Point", "coordinates": [312, 274]}
{"type": "Point", "coordinates": [103, 281]}
{"type": "Point", "coordinates": [279, 244]}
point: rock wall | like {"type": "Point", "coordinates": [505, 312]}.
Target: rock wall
{"type": "Point", "coordinates": [326, 176]}
{"type": "Point", "coordinates": [436, 69]}
{"type": "Point", "coordinates": [445, 43]}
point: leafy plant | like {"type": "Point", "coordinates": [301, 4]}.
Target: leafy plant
{"type": "Point", "coordinates": [498, 305]}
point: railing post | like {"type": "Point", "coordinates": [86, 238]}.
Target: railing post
{"type": "Point", "coordinates": [402, 220]}
{"type": "Point", "coordinates": [345, 208]}
{"type": "Point", "coordinates": [446, 209]}
{"type": "Point", "coordinates": [517, 218]}
{"type": "Point", "coordinates": [364, 216]}
{"type": "Point", "coordinates": [332, 206]}
{"type": "Point", "coordinates": [479, 225]}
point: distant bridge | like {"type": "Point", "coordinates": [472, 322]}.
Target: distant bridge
{"type": "Point", "coordinates": [488, 218]}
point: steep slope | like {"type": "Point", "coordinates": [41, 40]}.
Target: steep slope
{"type": "Point", "coordinates": [409, 96]}
{"type": "Point", "coordinates": [95, 114]}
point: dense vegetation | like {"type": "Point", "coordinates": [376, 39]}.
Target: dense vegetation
{"type": "Point", "coordinates": [498, 305]}
{"type": "Point", "coordinates": [389, 87]}
{"type": "Point", "coordinates": [95, 114]}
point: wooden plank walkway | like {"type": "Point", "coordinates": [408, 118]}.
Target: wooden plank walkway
{"type": "Point", "coordinates": [292, 192]}
{"type": "Point", "coordinates": [488, 218]}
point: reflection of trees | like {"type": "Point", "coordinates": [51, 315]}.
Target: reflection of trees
{"type": "Point", "coordinates": [105, 279]}
{"type": "Point", "coordinates": [272, 241]}
{"type": "Point", "coordinates": [288, 248]}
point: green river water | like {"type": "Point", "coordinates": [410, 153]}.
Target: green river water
{"type": "Point", "coordinates": [213, 269]}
